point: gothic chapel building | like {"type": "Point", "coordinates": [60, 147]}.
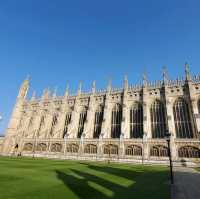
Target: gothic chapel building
{"type": "Point", "coordinates": [125, 125]}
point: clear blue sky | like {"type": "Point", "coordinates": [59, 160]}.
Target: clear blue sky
{"type": "Point", "coordinates": [60, 41]}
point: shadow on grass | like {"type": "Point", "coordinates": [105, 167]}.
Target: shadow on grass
{"type": "Point", "coordinates": [121, 172]}
{"type": "Point", "coordinates": [87, 184]}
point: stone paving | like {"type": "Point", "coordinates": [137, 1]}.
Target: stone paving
{"type": "Point", "coordinates": [186, 183]}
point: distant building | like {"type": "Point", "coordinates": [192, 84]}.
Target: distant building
{"type": "Point", "coordinates": [126, 125]}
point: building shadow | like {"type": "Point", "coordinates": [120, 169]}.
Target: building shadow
{"type": "Point", "coordinates": [87, 185]}
{"type": "Point", "coordinates": [80, 187]}
{"type": "Point", "coordinates": [124, 173]}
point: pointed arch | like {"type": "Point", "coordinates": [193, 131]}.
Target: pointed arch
{"type": "Point", "coordinates": [22, 121]}
{"type": "Point", "coordinates": [136, 121]}
{"type": "Point", "coordinates": [189, 152]}
{"type": "Point", "coordinates": [54, 123]}
{"type": "Point", "coordinates": [98, 120]}
{"type": "Point", "coordinates": [72, 148]}
{"type": "Point", "coordinates": [116, 121]}
{"type": "Point", "coordinates": [41, 147]}
{"type": "Point", "coordinates": [82, 120]}
{"type": "Point", "coordinates": [56, 147]}
{"type": "Point", "coordinates": [42, 122]}
{"type": "Point", "coordinates": [90, 148]}
{"type": "Point", "coordinates": [133, 150]}
{"type": "Point", "coordinates": [55, 119]}
{"type": "Point", "coordinates": [158, 119]}
{"type": "Point", "coordinates": [28, 147]}
{"type": "Point", "coordinates": [68, 117]}
{"type": "Point", "coordinates": [159, 151]}
{"type": "Point", "coordinates": [182, 119]}
{"type": "Point", "coordinates": [110, 149]}
{"type": "Point", "coordinates": [31, 122]}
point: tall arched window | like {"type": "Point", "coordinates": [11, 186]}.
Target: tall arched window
{"type": "Point", "coordinates": [82, 119]}
{"type": "Point", "coordinates": [31, 122]}
{"type": "Point", "coordinates": [158, 119]}
{"type": "Point", "coordinates": [98, 122]}
{"type": "Point", "coordinates": [54, 122]}
{"type": "Point", "coordinates": [42, 122]}
{"type": "Point", "coordinates": [55, 119]}
{"type": "Point", "coordinates": [182, 119]}
{"type": "Point", "coordinates": [116, 121]}
{"type": "Point", "coordinates": [136, 121]}
{"type": "Point", "coordinates": [67, 121]}
{"type": "Point", "coordinates": [22, 121]}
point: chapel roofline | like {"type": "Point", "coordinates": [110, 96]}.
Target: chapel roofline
{"type": "Point", "coordinates": [145, 83]}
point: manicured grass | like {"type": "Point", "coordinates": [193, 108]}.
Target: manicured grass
{"type": "Point", "coordinates": [198, 169]}
{"type": "Point", "coordinates": [24, 178]}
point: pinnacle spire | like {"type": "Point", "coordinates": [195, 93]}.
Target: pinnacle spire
{"type": "Point", "coordinates": [125, 82]}
{"type": "Point", "coordinates": [80, 88]}
{"type": "Point", "coordinates": [28, 77]}
{"type": "Point", "coordinates": [165, 74]}
{"type": "Point", "coordinates": [187, 72]}
{"type": "Point", "coordinates": [55, 92]}
{"type": "Point", "coordinates": [109, 87]}
{"type": "Point", "coordinates": [67, 90]}
{"type": "Point", "coordinates": [33, 96]}
{"type": "Point", "coordinates": [24, 88]}
{"type": "Point", "coordinates": [144, 79]}
{"type": "Point", "coordinates": [45, 94]}
{"type": "Point", "coordinates": [94, 86]}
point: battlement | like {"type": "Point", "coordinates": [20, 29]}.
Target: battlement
{"type": "Point", "coordinates": [158, 84]}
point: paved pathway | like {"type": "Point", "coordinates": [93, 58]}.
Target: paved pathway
{"type": "Point", "coordinates": [187, 184]}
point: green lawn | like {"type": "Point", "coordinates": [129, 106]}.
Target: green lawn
{"type": "Point", "coordinates": [198, 169]}
{"type": "Point", "coordinates": [24, 178]}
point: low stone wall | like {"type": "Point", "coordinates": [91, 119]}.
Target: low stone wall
{"type": "Point", "coordinates": [135, 151]}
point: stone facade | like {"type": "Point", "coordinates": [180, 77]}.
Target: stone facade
{"type": "Point", "coordinates": [126, 125]}
{"type": "Point", "coordinates": [1, 143]}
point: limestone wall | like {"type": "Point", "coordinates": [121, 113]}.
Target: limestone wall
{"type": "Point", "coordinates": [1, 143]}
{"type": "Point", "coordinates": [42, 120]}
